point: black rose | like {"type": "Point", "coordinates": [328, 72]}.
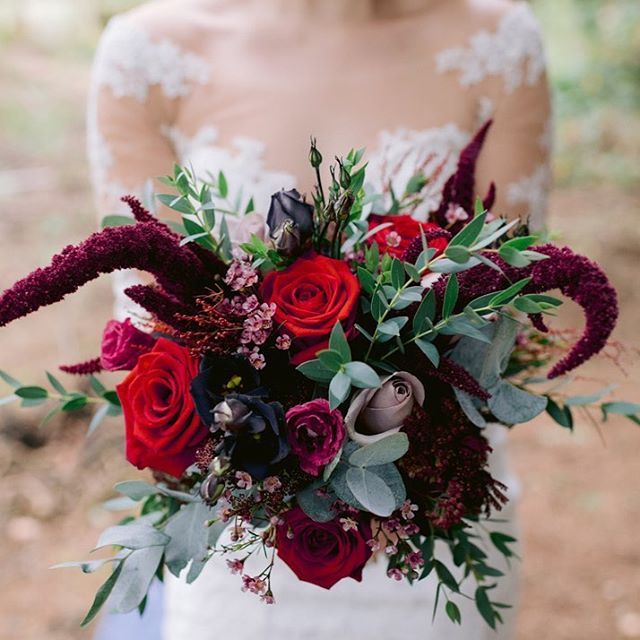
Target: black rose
{"type": "Point", "coordinates": [254, 437]}
{"type": "Point", "coordinates": [217, 378]}
{"type": "Point", "coordinates": [290, 221]}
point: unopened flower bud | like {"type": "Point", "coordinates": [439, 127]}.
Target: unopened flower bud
{"type": "Point", "coordinates": [345, 177]}
{"type": "Point", "coordinates": [286, 238]}
{"type": "Point", "coordinates": [230, 415]}
{"type": "Point", "coordinates": [344, 205]}
{"type": "Point", "coordinates": [211, 488]}
{"type": "Point", "coordinates": [315, 157]}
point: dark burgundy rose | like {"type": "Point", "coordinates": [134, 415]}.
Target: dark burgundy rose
{"type": "Point", "coordinates": [122, 345]}
{"type": "Point", "coordinates": [323, 553]}
{"type": "Point", "coordinates": [315, 434]}
{"type": "Point", "coordinates": [290, 221]}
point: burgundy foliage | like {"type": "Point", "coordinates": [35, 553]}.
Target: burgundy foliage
{"type": "Point", "coordinates": [577, 277]}
{"type": "Point", "coordinates": [445, 468]}
{"type": "Point", "coordinates": [182, 272]}
{"type": "Point", "coordinates": [84, 368]}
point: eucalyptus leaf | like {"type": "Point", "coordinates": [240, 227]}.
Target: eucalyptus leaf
{"type": "Point", "coordinates": [338, 342]}
{"type": "Point", "coordinates": [389, 449]}
{"type": "Point", "coordinates": [132, 585]}
{"type": "Point", "coordinates": [135, 535]}
{"type": "Point", "coordinates": [371, 491]}
{"type": "Point", "coordinates": [319, 507]}
{"type": "Point", "coordinates": [103, 593]}
{"type": "Point", "coordinates": [362, 375]}
{"type": "Point", "coordinates": [189, 536]}
{"type": "Point", "coordinates": [511, 405]}
{"type": "Point", "coordinates": [339, 389]}
{"type": "Point", "coordinates": [316, 371]}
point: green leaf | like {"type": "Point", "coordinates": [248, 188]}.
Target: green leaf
{"type": "Point", "coordinates": [56, 384]}
{"type": "Point", "coordinates": [397, 273]}
{"type": "Point", "coordinates": [383, 451]}
{"type": "Point", "coordinates": [331, 359]}
{"type": "Point", "coordinates": [97, 386]}
{"type": "Point", "coordinates": [372, 257]}
{"type": "Point", "coordinates": [188, 535]}
{"type": "Point", "coordinates": [416, 184]}
{"type": "Point", "coordinates": [75, 402]}
{"type": "Point", "coordinates": [579, 401]}
{"type": "Point", "coordinates": [12, 382]}
{"type": "Point", "coordinates": [457, 253]}
{"type": "Point", "coordinates": [98, 417]}
{"type": "Point", "coordinates": [318, 506]}
{"type": "Point", "coordinates": [446, 576]}
{"type": "Point", "coordinates": [492, 235]}
{"type": "Point", "coordinates": [103, 593]}
{"type": "Point", "coordinates": [316, 371]}
{"type": "Point", "coordinates": [393, 326]}
{"type": "Point", "coordinates": [223, 186]}
{"type": "Point", "coordinates": [470, 233]}
{"type": "Point", "coordinates": [116, 221]}
{"type": "Point", "coordinates": [426, 311]}
{"type": "Point", "coordinates": [453, 612]}
{"type": "Point", "coordinates": [484, 606]}
{"type": "Point", "coordinates": [501, 541]}
{"type": "Point", "coordinates": [478, 207]}
{"type": "Point", "coordinates": [362, 375]}
{"type": "Point", "coordinates": [339, 389]}
{"type": "Point", "coordinates": [450, 296]}
{"type": "Point", "coordinates": [521, 243]}
{"type": "Point", "coordinates": [371, 491]}
{"type": "Point", "coordinates": [429, 350]}
{"type": "Point", "coordinates": [112, 398]}
{"type": "Point", "coordinates": [338, 342]}
{"type": "Point", "coordinates": [136, 489]}
{"type": "Point", "coordinates": [367, 281]}
{"type": "Point", "coordinates": [511, 405]}
{"type": "Point", "coordinates": [526, 305]}
{"type": "Point", "coordinates": [131, 588]}
{"type": "Point", "coordinates": [32, 393]}
{"type": "Point", "coordinates": [412, 272]}
{"type": "Point", "coordinates": [513, 256]}
{"type": "Point", "coordinates": [621, 408]}
{"type": "Point", "coordinates": [177, 203]}
{"type": "Point", "coordinates": [136, 535]}
{"type": "Point", "coordinates": [562, 415]}
{"type": "Point", "coordinates": [364, 332]}
{"type": "Point", "coordinates": [505, 296]}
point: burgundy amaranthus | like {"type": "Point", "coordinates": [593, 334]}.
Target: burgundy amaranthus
{"type": "Point", "coordinates": [445, 468]}
{"type": "Point", "coordinates": [182, 272]}
{"type": "Point", "coordinates": [577, 277]}
{"type": "Point", "coordinates": [459, 190]}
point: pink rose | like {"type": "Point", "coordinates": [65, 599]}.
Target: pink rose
{"type": "Point", "coordinates": [122, 345]}
{"type": "Point", "coordinates": [377, 413]}
{"type": "Point", "coordinates": [315, 434]}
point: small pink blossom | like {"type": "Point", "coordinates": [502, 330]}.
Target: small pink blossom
{"type": "Point", "coordinates": [243, 480]}
{"type": "Point", "coordinates": [395, 574]}
{"type": "Point", "coordinates": [408, 510]}
{"type": "Point", "coordinates": [241, 274]}
{"type": "Point", "coordinates": [235, 566]}
{"type": "Point", "coordinates": [268, 598]}
{"type": "Point", "coordinates": [257, 360]}
{"type": "Point", "coordinates": [254, 585]}
{"type": "Point", "coordinates": [415, 560]}
{"type": "Point", "coordinates": [455, 214]}
{"type": "Point", "coordinates": [374, 545]}
{"type": "Point", "coordinates": [393, 239]}
{"type": "Point", "coordinates": [349, 524]}
{"type": "Point", "coordinates": [391, 550]}
{"type": "Point", "coordinates": [283, 342]}
{"type": "Point", "coordinates": [272, 484]}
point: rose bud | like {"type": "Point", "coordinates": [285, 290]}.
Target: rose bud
{"type": "Point", "coordinates": [230, 416]}
{"type": "Point", "coordinates": [211, 488]}
{"type": "Point", "coordinates": [290, 221]}
{"type": "Point", "coordinates": [315, 157]}
{"type": "Point", "coordinates": [377, 413]}
{"type": "Point", "coordinates": [122, 345]}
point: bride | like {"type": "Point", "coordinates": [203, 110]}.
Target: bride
{"type": "Point", "coordinates": [238, 86]}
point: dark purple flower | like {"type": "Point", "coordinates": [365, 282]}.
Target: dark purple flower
{"type": "Point", "coordinates": [122, 345]}
{"type": "Point", "coordinates": [83, 368]}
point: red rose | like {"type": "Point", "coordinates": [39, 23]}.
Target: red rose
{"type": "Point", "coordinates": [162, 426]}
{"type": "Point", "coordinates": [323, 553]}
{"type": "Point", "coordinates": [396, 238]}
{"type": "Point", "coordinates": [312, 295]}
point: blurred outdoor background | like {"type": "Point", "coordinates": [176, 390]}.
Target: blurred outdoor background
{"type": "Point", "coordinates": [581, 498]}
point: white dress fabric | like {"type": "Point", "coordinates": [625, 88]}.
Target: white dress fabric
{"type": "Point", "coordinates": [146, 111]}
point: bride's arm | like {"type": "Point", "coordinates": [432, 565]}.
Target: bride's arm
{"type": "Point", "coordinates": [518, 148]}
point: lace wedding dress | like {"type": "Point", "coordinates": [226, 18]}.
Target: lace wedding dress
{"type": "Point", "coordinates": [209, 84]}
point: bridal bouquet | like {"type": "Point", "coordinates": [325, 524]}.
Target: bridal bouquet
{"type": "Point", "coordinates": [318, 392]}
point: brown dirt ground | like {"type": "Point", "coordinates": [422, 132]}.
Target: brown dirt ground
{"type": "Point", "coordinates": [580, 507]}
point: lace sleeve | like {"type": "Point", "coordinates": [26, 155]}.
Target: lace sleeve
{"type": "Point", "coordinates": [506, 69]}
{"type": "Point", "coordinates": [137, 79]}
